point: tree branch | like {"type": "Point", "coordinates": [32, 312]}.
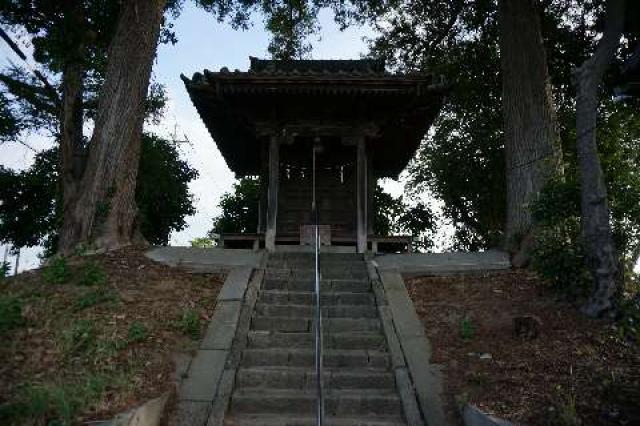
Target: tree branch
{"type": "Point", "coordinates": [608, 44]}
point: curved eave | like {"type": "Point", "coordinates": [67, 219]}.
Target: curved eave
{"type": "Point", "coordinates": [212, 94]}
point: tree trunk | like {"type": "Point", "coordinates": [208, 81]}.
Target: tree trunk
{"type": "Point", "coordinates": [71, 137]}
{"type": "Point", "coordinates": [103, 212]}
{"type": "Point", "coordinates": [596, 228]}
{"type": "Point", "coordinates": [532, 148]}
{"type": "Point", "coordinates": [72, 146]}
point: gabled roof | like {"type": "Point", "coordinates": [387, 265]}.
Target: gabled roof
{"type": "Point", "coordinates": [233, 105]}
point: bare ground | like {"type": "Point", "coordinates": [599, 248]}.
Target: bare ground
{"type": "Point", "coordinates": [576, 372]}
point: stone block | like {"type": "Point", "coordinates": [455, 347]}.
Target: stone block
{"type": "Point", "coordinates": [204, 375]}
{"type": "Point", "coordinates": [235, 284]}
{"type": "Point", "coordinates": [192, 413]}
{"type": "Point", "coordinates": [222, 327]}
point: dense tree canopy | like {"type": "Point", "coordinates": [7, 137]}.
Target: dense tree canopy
{"type": "Point", "coordinates": [459, 41]}
{"type": "Point", "coordinates": [29, 213]}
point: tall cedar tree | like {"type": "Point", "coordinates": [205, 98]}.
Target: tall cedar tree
{"type": "Point", "coordinates": [101, 207]}
{"type": "Point", "coordinates": [532, 146]}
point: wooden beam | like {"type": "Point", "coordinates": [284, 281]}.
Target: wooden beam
{"type": "Point", "coordinates": [361, 194]}
{"type": "Point", "coordinates": [371, 190]}
{"type": "Point", "coordinates": [272, 194]}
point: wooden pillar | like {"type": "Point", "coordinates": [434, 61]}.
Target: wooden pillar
{"type": "Point", "coordinates": [272, 194]}
{"type": "Point", "coordinates": [371, 190]}
{"type": "Point", "coordinates": [361, 194]}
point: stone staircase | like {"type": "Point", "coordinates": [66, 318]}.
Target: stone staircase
{"type": "Point", "coordinates": [275, 381]}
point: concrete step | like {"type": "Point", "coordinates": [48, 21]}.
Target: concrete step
{"type": "Point", "coordinates": [348, 285]}
{"type": "Point", "coordinates": [280, 357]}
{"type": "Point", "coordinates": [291, 324]}
{"type": "Point", "coordinates": [293, 420]}
{"type": "Point", "coordinates": [307, 311]}
{"type": "Point", "coordinates": [307, 261]}
{"type": "Point", "coordinates": [343, 402]}
{"type": "Point", "coordinates": [274, 339]}
{"type": "Point", "coordinates": [306, 297]}
{"type": "Point", "coordinates": [305, 378]}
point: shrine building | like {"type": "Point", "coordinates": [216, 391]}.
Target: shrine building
{"type": "Point", "coordinates": [360, 123]}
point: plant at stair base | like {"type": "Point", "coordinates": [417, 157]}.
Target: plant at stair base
{"type": "Point", "coordinates": [467, 330]}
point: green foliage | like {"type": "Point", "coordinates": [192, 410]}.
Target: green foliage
{"type": "Point", "coordinates": [57, 272]}
{"type": "Point", "coordinates": [203, 242]}
{"type": "Point", "coordinates": [393, 216]}
{"type": "Point", "coordinates": [628, 326]}
{"type": "Point", "coordinates": [93, 298]}
{"type": "Point", "coordinates": [80, 337]}
{"type": "Point", "coordinates": [188, 323]}
{"type": "Point", "coordinates": [467, 330]}
{"type": "Point", "coordinates": [54, 404]}
{"type": "Point", "coordinates": [564, 411]}
{"type": "Point", "coordinates": [5, 269]}
{"type": "Point", "coordinates": [461, 161]}
{"type": "Point", "coordinates": [28, 214]}
{"type": "Point", "coordinates": [162, 192]}
{"type": "Point", "coordinates": [10, 314]}
{"type": "Point", "coordinates": [92, 274]}
{"type": "Point", "coordinates": [239, 208]}
{"type": "Point", "coordinates": [9, 123]}
{"type": "Point", "coordinates": [137, 332]}
{"type": "Point", "coordinates": [557, 255]}
{"type": "Point", "coordinates": [27, 202]}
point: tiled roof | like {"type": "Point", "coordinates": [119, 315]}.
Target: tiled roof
{"type": "Point", "coordinates": [324, 66]}
{"type": "Point", "coordinates": [234, 104]}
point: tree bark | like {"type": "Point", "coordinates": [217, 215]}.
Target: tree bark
{"type": "Point", "coordinates": [600, 251]}
{"type": "Point", "coordinates": [532, 148]}
{"type": "Point", "coordinates": [71, 137]}
{"type": "Point", "coordinates": [103, 212]}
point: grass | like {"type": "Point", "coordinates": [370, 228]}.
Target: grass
{"type": "Point", "coordinates": [80, 338]}
{"type": "Point", "coordinates": [92, 298]}
{"type": "Point", "coordinates": [564, 412]}
{"type": "Point", "coordinates": [467, 330]}
{"type": "Point", "coordinates": [92, 274]}
{"type": "Point", "coordinates": [56, 403]}
{"type": "Point", "coordinates": [137, 332]}
{"type": "Point", "coordinates": [10, 314]}
{"type": "Point", "coordinates": [91, 349]}
{"type": "Point", "coordinates": [188, 323]}
{"type": "Point", "coordinates": [57, 272]}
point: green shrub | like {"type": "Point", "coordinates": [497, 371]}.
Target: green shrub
{"type": "Point", "coordinates": [189, 323]}
{"type": "Point", "coordinates": [5, 268]}
{"type": "Point", "coordinates": [57, 272]}
{"type": "Point", "coordinates": [93, 298]}
{"type": "Point", "coordinates": [557, 256]}
{"type": "Point", "coordinates": [559, 260]}
{"type": "Point", "coordinates": [467, 330]}
{"type": "Point", "coordinates": [53, 404]}
{"type": "Point", "coordinates": [80, 337]}
{"type": "Point", "coordinates": [92, 274]}
{"type": "Point", "coordinates": [628, 325]}
{"type": "Point", "coordinates": [137, 332]}
{"type": "Point", "coordinates": [10, 314]}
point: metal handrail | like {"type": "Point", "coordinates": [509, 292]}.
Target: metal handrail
{"type": "Point", "coordinates": [318, 316]}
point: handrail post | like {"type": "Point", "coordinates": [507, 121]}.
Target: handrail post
{"type": "Point", "coordinates": [318, 316]}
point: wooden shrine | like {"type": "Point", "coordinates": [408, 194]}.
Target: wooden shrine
{"type": "Point", "coordinates": [362, 122]}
